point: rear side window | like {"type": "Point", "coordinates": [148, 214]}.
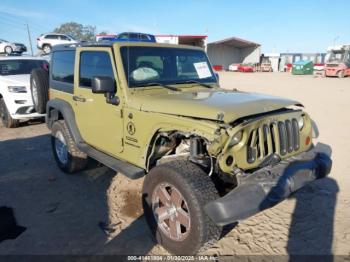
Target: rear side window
{"type": "Point", "coordinates": [145, 37]}
{"type": "Point", "coordinates": [93, 64]}
{"type": "Point", "coordinates": [51, 37]}
{"type": "Point", "coordinates": [63, 66]}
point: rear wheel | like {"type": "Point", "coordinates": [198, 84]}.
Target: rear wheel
{"type": "Point", "coordinates": [174, 195]}
{"type": "Point", "coordinates": [8, 50]}
{"type": "Point", "coordinates": [6, 119]}
{"type": "Point", "coordinates": [68, 157]}
{"type": "Point", "coordinates": [39, 87]}
{"type": "Point", "coordinates": [47, 49]}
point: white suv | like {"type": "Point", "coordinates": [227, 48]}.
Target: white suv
{"type": "Point", "coordinates": [16, 101]}
{"type": "Point", "coordinates": [9, 48]}
{"type": "Point", "coordinates": [47, 41]}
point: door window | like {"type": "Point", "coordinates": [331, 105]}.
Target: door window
{"type": "Point", "coordinates": [93, 64]}
{"type": "Point", "coordinates": [51, 37]}
{"type": "Point", "coordinates": [63, 37]}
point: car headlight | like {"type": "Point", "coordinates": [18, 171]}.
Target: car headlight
{"type": "Point", "coordinates": [236, 139]}
{"type": "Point", "coordinates": [17, 89]}
{"type": "Point", "coordinates": [301, 122]}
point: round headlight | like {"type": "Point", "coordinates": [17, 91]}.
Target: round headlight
{"type": "Point", "coordinates": [301, 122]}
{"type": "Point", "coordinates": [236, 138]}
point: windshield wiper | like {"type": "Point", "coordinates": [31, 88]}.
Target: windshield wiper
{"type": "Point", "coordinates": [159, 84]}
{"type": "Point", "coordinates": [194, 82]}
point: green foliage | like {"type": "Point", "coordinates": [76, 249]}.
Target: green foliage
{"type": "Point", "coordinates": [77, 31]}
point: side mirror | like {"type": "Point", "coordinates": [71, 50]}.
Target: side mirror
{"type": "Point", "coordinates": [102, 85]}
{"type": "Point", "coordinates": [105, 85]}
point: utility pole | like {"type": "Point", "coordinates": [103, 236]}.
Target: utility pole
{"type": "Point", "coordinates": [30, 40]}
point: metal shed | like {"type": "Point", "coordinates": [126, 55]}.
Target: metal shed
{"type": "Point", "coordinates": [233, 50]}
{"type": "Point", "coordinates": [194, 40]}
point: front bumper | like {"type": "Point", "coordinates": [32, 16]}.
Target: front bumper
{"type": "Point", "coordinates": [19, 49]}
{"type": "Point", "coordinates": [20, 106]}
{"type": "Point", "coordinates": [332, 72]}
{"type": "Point", "coordinates": [268, 186]}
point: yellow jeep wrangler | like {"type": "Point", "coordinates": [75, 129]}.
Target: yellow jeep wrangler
{"type": "Point", "coordinates": [210, 157]}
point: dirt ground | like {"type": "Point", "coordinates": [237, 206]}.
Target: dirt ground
{"type": "Point", "coordinates": [68, 214]}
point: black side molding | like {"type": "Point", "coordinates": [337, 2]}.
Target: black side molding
{"type": "Point", "coordinates": [129, 170]}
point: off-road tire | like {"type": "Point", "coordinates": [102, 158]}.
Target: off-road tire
{"type": "Point", "coordinates": [39, 80]}
{"type": "Point", "coordinates": [197, 189]}
{"type": "Point", "coordinates": [5, 117]}
{"type": "Point", "coordinates": [8, 50]}
{"type": "Point", "coordinates": [46, 52]}
{"type": "Point", "coordinates": [341, 74]}
{"type": "Point", "coordinates": [77, 160]}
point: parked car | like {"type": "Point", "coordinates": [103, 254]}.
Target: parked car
{"type": "Point", "coordinates": [15, 94]}
{"type": "Point", "coordinates": [128, 37]}
{"type": "Point", "coordinates": [233, 67]}
{"type": "Point", "coordinates": [243, 68]}
{"type": "Point", "coordinates": [210, 157]}
{"type": "Point", "coordinates": [46, 41]}
{"type": "Point", "coordinates": [246, 68]}
{"type": "Point", "coordinates": [10, 48]}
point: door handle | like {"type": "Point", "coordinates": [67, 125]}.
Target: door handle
{"type": "Point", "coordinates": [79, 99]}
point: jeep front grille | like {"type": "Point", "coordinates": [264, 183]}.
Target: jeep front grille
{"type": "Point", "coordinates": [280, 138]}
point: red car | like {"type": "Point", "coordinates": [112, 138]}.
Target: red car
{"type": "Point", "coordinates": [245, 68]}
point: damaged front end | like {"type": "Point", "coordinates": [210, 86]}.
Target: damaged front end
{"type": "Point", "coordinates": [270, 156]}
{"type": "Point", "coordinates": [254, 162]}
{"type": "Point", "coordinates": [257, 141]}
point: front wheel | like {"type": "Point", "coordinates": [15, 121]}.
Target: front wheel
{"type": "Point", "coordinates": [6, 119]}
{"type": "Point", "coordinates": [174, 195]}
{"type": "Point", "coordinates": [8, 50]}
{"type": "Point", "coordinates": [47, 49]}
{"type": "Point", "coordinates": [68, 157]}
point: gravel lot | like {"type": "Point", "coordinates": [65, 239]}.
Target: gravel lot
{"type": "Point", "coordinates": [66, 214]}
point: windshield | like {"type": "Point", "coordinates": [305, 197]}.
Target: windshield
{"type": "Point", "coordinates": [20, 66]}
{"type": "Point", "coordinates": [335, 56]}
{"type": "Point", "coordinates": [144, 65]}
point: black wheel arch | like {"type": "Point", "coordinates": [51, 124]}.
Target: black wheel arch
{"type": "Point", "coordinates": [57, 109]}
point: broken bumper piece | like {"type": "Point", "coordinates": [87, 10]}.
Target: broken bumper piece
{"type": "Point", "coordinates": [270, 185]}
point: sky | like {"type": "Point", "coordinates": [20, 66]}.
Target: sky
{"type": "Point", "coordinates": [279, 26]}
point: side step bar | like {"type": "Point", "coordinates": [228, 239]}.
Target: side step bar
{"type": "Point", "coordinates": [129, 170]}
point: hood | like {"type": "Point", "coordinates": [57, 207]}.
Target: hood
{"type": "Point", "coordinates": [220, 105]}
{"type": "Point", "coordinates": [18, 79]}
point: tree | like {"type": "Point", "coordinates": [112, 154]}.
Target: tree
{"type": "Point", "coordinates": [78, 31]}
